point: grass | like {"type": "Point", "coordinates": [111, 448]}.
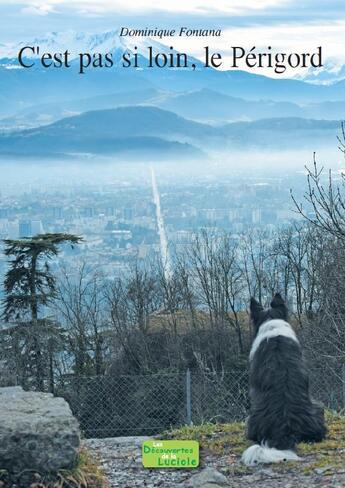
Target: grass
{"type": "Point", "coordinates": [331, 452]}
{"type": "Point", "coordinates": [229, 440]}
{"type": "Point", "coordinates": [85, 474]}
{"type": "Point", "coordinates": [218, 438]}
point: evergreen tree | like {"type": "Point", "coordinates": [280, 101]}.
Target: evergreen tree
{"type": "Point", "coordinates": [29, 287]}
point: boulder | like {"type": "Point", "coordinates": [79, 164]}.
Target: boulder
{"type": "Point", "coordinates": [37, 431]}
{"type": "Point", "coordinates": [208, 478]}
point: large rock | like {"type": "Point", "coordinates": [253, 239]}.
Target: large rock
{"type": "Point", "coordinates": [37, 431]}
{"type": "Point", "coordinates": [208, 478]}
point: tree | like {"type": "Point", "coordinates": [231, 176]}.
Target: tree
{"type": "Point", "coordinates": [218, 281]}
{"type": "Point", "coordinates": [301, 248]}
{"type": "Point", "coordinates": [82, 313]}
{"type": "Point", "coordinates": [324, 208]}
{"type": "Point", "coordinates": [29, 286]}
{"type": "Point", "coordinates": [29, 282]}
{"type": "Point", "coordinates": [324, 198]}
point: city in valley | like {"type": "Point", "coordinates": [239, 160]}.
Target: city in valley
{"type": "Point", "coordinates": [115, 210]}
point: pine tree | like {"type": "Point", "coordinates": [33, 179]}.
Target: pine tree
{"type": "Point", "coordinates": [29, 287]}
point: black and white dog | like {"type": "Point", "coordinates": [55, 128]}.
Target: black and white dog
{"type": "Point", "coordinates": [282, 411]}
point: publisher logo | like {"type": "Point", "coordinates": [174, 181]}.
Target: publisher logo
{"type": "Point", "coordinates": [170, 454]}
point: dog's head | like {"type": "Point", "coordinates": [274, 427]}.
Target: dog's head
{"type": "Point", "coordinates": [259, 315]}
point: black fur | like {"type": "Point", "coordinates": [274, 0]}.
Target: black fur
{"type": "Point", "coordinates": [258, 315]}
{"type": "Point", "coordinates": [282, 411]}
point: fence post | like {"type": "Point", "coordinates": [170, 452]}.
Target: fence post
{"type": "Point", "coordinates": [189, 397]}
{"type": "Point", "coordinates": [343, 381]}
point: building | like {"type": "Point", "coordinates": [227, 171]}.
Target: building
{"type": "Point", "coordinates": [25, 228]}
{"type": "Point", "coordinates": [36, 227]}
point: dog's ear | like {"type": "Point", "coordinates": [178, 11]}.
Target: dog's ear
{"type": "Point", "coordinates": [279, 304]}
{"type": "Point", "coordinates": [277, 301]}
{"type": "Point", "coordinates": [255, 309]}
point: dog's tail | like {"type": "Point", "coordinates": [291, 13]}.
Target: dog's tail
{"type": "Point", "coordinates": [263, 454]}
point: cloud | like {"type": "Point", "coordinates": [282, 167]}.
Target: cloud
{"type": "Point", "coordinates": [283, 24]}
{"type": "Point", "coordinates": [38, 9]}
{"type": "Point", "coordinates": [232, 11]}
{"type": "Point", "coordinates": [192, 6]}
{"type": "Point", "coordinates": [234, 7]}
{"type": "Point", "coordinates": [282, 37]}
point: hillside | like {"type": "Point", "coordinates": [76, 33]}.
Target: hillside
{"type": "Point", "coordinates": [122, 130]}
{"type": "Point", "coordinates": [283, 133]}
{"type": "Point", "coordinates": [147, 130]}
{"type": "Point", "coordinates": [204, 105]}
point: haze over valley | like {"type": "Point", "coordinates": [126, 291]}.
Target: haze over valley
{"type": "Point", "coordinates": [225, 148]}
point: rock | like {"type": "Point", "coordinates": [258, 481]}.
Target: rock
{"type": "Point", "coordinates": [207, 478]}
{"type": "Point", "coordinates": [323, 470]}
{"type": "Point", "coordinates": [37, 431]}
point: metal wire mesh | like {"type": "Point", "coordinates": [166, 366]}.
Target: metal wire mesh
{"type": "Point", "coordinates": [109, 406]}
{"type": "Point", "coordinates": [219, 397]}
{"type": "Point", "coordinates": [327, 385]}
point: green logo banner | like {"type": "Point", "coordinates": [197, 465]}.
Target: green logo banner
{"type": "Point", "coordinates": [170, 454]}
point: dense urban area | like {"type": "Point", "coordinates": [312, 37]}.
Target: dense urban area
{"type": "Point", "coordinates": [118, 219]}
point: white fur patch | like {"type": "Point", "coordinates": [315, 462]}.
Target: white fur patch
{"type": "Point", "coordinates": [257, 454]}
{"type": "Point", "coordinates": [272, 328]}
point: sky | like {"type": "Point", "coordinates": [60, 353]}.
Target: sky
{"type": "Point", "coordinates": [286, 25]}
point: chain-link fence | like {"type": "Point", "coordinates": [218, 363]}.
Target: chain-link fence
{"type": "Point", "coordinates": [109, 406]}
{"type": "Point", "coordinates": [327, 385]}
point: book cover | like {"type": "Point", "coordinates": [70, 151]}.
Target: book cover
{"type": "Point", "coordinates": [172, 226]}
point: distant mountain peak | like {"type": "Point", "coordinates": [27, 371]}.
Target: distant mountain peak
{"type": "Point", "coordinates": [77, 42]}
{"type": "Point", "coordinates": [331, 72]}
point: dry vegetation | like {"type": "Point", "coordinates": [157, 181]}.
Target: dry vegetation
{"type": "Point", "coordinates": [86, 474]}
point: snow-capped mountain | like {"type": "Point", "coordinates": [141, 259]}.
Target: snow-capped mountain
{"type": "Point", "coordinates": [332, 72]}
{"type": "Point", "coordinates": [82, 42]}
{"type": "Point", "coordinates": [21, 89]}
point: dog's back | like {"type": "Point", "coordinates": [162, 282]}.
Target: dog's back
{"type": "Point", "coordinates": [282, 411]}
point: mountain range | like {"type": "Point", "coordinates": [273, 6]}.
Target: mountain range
{"type": "Point", "coordinates": [139, 111]}
{"type": "Point", "coordinates": [139, 131]}
{"type": "Point", "coordinates": [202, 105]}
{"type": "Point", "coordinates": [23, 88]}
